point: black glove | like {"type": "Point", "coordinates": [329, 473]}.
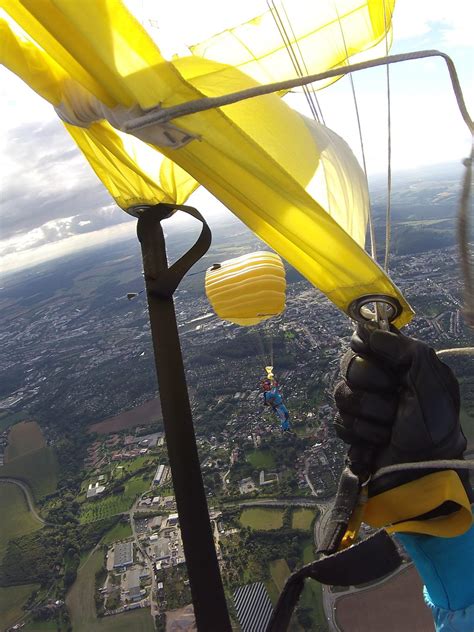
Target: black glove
{"type": "Point", "coordinates": [398, 403]}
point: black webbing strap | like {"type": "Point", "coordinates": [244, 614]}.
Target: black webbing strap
{"type": "Point", "coordinates": [366, 561]}
{"type": "Point", "coordinates": [169, 279]}
{"type": "Point", "coordinates": [161, 280]}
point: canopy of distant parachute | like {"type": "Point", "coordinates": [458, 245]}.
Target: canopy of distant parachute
{"type": "Point", "coordinates": [292, 181]}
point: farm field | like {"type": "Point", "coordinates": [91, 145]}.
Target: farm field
{"type": "Point", "coordinates": [115, 504]}
{"type": "Point", "coordinates": [40, 626]}
{"type": "Point", "coordinates": [80, 599]}
{"type": "Point", "coordinates": [119, 532]}
{"type": "Point", "coordinates": [261, 459]}
{"type": "Point", "coordinates": [11, 601]}
{"type": "Point", "coordinates": [39, 469]}
{"type": "Point", "coordinates": [302, 518]}
{"type": "Point", "coordinates": [23, 438]}
{"type": "Point", "coordinates": [279, 572]}
{"type": "Point", "coordinates": [312, 600]}
{"type": "Point", "coordinates": [16, 518]}
{"type": "Point", "coordinates": [81, 605]}
{"type": "Point", "coordinates": [396, 604]}
{"type": "Point", "coordinates": [144, 415]}
{"type": "Point", "coordinates": [261, 519]}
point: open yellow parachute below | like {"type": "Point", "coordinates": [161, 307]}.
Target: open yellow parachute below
{"type": "Point", "coordinates": [292, 181]}
{"type": "Point", "coordinates": [247, 290]}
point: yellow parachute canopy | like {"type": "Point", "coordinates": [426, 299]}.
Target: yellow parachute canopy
{"type": "Point", "coordinates": [295, 183]}
{"type": "Point", "coordinates": [319, 35]}
{"type": "Point", "coordinates": [247, 290]}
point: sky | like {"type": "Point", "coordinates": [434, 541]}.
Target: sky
{"type": "Point", "coordinates": [51, 202]}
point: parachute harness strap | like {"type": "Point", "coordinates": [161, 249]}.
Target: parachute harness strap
{"type": "Point", "coordinates": [169, 279]}
{"type": "Point", "coordinates": [161, 280]}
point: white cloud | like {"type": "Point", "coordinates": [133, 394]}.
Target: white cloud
{"type": "Point", "coordinates": [46, 252]}
{"type": "Point", "coordinates": [416, 18]}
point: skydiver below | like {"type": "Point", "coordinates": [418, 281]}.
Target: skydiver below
{"type": "Point", "coordinates": [272, 397]}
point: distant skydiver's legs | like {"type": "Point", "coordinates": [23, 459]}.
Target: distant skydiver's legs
{"type": "Point", "coordinates": [284, 417]}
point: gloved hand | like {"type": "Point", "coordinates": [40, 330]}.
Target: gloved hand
{"type": "Point", "coordinates": [398, 403]}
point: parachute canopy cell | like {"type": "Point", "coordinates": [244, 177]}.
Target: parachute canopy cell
{"type": "Point", "coordinates": [248, 289]}
{"type": "Point", "coordinates": [293, 182]}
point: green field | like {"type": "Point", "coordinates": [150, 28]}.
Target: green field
{"type": "Point", "coordinates": [261, 518]}
{"type": "Point", "coordinates": [279, 573]}
{"type": "Point", "coordinates": [38, 469]}
{"type": "Point", "coordinates": [261, 459]}
{"type": "Point", "coordinates": [114, 504]}
{"type": "Point", "coordinates": [23, 438]}
{"type": "Point", "coordinates": [312, 598]}
{"type": "Point", "coordinates": [308, 552]}
{"type": "Point", "coordinates": [80, 599]}
{"type": "Point", "coordinates": [16, 519]}
{"type": "Point", "coordinates": [119, 532]}
{"type": "Point", "coordinates": [40, 626]}
{"type": "Point", "coordinates": [80, 602]}
{"type": "Point", "coordinates": [302, 518]}
{"type": "Point", "coordinates": [11, 601]}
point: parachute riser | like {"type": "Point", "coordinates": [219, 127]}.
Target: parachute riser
{"type": "Point", "coordinates": [161, 281]}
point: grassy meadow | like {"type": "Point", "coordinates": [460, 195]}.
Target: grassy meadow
{"type": "Point", "coordinates": [23, 438]}
{"type": "Point", "coordinates": [261, 459]}
{"type": "Point", "coordinates": [39, 469]}
{"type": "Point", "coordinates": [11, 601]}
{"type": "Point", "coordinates": [302, 518]}
{"type": "Point", "coordinates": [261, 519]}
{"type": "Point", "coordinates": [16, 519]}
{"type": "Point", "coordinates": [121, 531]}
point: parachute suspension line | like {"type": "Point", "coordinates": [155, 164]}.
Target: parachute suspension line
{"type": "Point", "coordinates": [311, 93]}
{"type": "Point", "coordinates": [388, 214]}
{"type": "Point", "coordinates": [293, 57]}
{"type": "Point", "coordinates": [373, 246]}
{"type": "Point", "coordinates": [160, 115]}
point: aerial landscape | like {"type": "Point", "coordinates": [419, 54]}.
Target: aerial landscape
{"type": "Point", "coordinates": [90, 538]}
{"type": "Point", "coordinates": [200, 204]}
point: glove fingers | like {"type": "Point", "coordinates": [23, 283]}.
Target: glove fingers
{"type": "Point", "coordinates": [366, 373]}
{"type": "Point", "coordinates": [355, 430]}
{"type": "Point", "coordinates": [371, 406]}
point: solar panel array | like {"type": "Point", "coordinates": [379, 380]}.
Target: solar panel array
{"type": "Point", "coordinates": [253, 607]}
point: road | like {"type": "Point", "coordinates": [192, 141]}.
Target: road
{"type": "Point", "coordinates": [154, 608]}
{"type": "Point", "coordinates": [28, 495]}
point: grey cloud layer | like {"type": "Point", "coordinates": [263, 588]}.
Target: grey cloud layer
{"type": "Point", "coordinates": [50, 180]}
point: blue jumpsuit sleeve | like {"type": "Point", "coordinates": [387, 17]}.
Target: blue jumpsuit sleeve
{"type": "Point", "coordinates": [446, 566]}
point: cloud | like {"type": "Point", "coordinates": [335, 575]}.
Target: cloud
{"type": "Point", "coordinates": [45, 177]}
{"type": "Point", "coordinates": [450, 22]}
{"type": "Point", "coordinates": [48, 251]}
